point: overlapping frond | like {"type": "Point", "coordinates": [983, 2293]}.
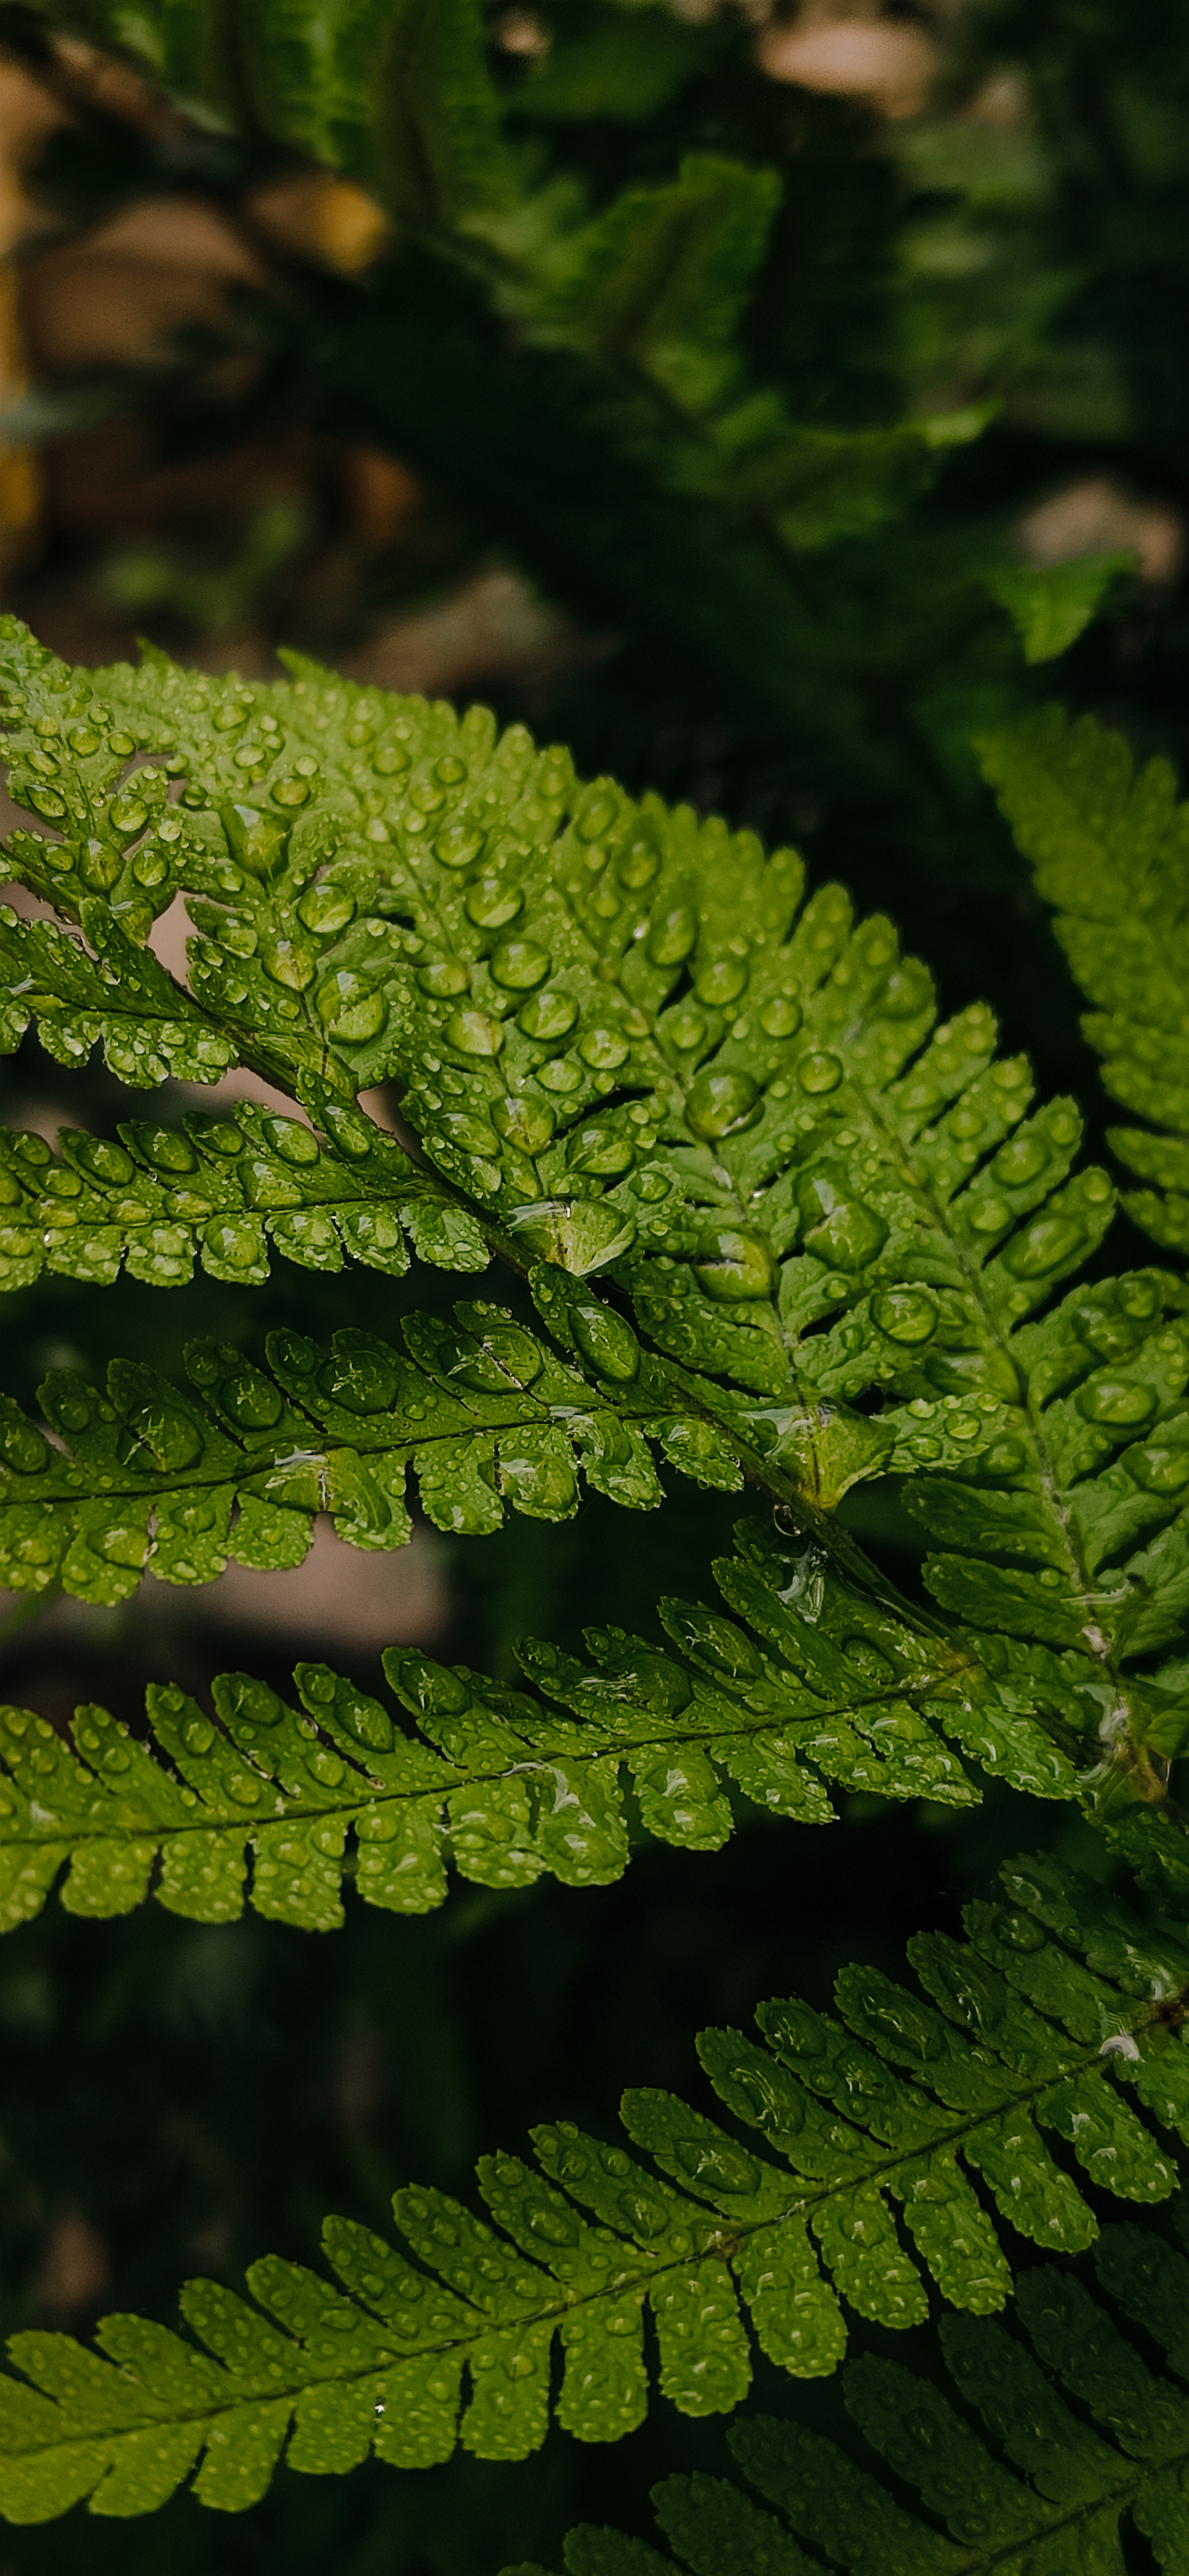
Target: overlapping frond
{"type": "Point", "coordinates": [482, 1410]}
{"type": "Point", "coordinates": [1058, 1997]}
{"type": "Point", "coordinates": [808, 1685]}
{"type": "Point", "coordinates": [1110, 851]}
{"type": "Point", "coordinates": [226, 1192]}
{"type": "Point", "coordinates": [627, 1049]}
{"type": "Point", "coordinates": [1066, 2444]}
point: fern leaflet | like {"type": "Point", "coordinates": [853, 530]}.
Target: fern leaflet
{"type": "Point", "coordinates": [1054, 2001]}
{"type": "Point", "coordinates": [1030, 2485]}
{"type": "Point", "coordinates": [627, 1051]}
{"type": "Point", "coordinates": [1110, 851]}
{"type": "Point", "coordinates": [809, 1682]}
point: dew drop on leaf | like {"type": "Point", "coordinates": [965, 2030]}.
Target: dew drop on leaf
{"type": "Point", "coordinates": [526, 1124]}
{"type": "Point", "coordinates": [672, 935]}
{"type": "Point", "coordinates": [548, 1016]}
{"type": "Point", "coordinates": [906, 1314]}
{"type": "Point", "coordinates": [819, 1072]}
{"type": "Point", "coordinates": [719, 1103]}
{"type": "Point", "coordinates": [734, 1266]}
{"type": "Point", "coordinates": [520, 965]}
{"type": "Point", "coordinates": [781, 1017]}
{"type": "Point", "coordinates": [474, 1033]}
{"type": "Point", "coordinates": [1116, 1400]}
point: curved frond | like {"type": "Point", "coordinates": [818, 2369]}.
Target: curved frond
{"type": "Point", "coordinates": [631, 1053]}
{"type": "Point", "coordinates": [1065, 2442]}
{"type": "Point", "coordinates": [1057, 2002]}
{"type": "Point", "coordinates": [226, 1192]}
{"type": "Point", "coordinates": [1110, 851]}
{"type": "Point", "coordinates": [808, 1685]}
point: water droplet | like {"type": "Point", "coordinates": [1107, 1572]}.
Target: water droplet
{"type": "Point", "coordinates": [719, 1104]}
{"type": "Point", "coordinates": [361, 1381]}
{"type": "Point", "coordinates": [166, 1148]}
{"type": "Point", "coordinates": [720, 982]}
{"type": "Point", "coordinates": [83, 739]}
{"type": "Point", "coordinates": [1021, 1160]}
{"type": "Point", "coordinates": [450, 769]}
{"type": "Point", "coordinates": [458, 845]}
{"type": "Point", "coordinates": [1139, 1298]}
{"type": "Point", "coordinates": [781, 1017]}
{"type": "Point", "coordinates": [989, 1216]}
{"type": "Point", "coordinates": [733, 1266]}
{"type": "Point", "coordinates": [127, 814]}
{"type": "Point", "coordinates": [351, 1009]}
{"type": "Point", "coordinates": [1116, 1400]}
{"type": "Point", "coordinates": [174, 1438]}
{"type": "Point", "coordinates": [603, 1049]}
{"type": "Point", "coordinates": [603, 1150]}
{"type": "Point", "coordinates": [607, 1342]}
{"type": "Point", "coordinates": [1158, 1470]}
{"type": "Point", "coordinates": [686, 1030]}
{"type": "Point", "coordinates": [474, 1033]}
{"type": "Point", "coordinates": [638, 864]}
{"type": "Point", "coordinates": [150, 867]}
{"type": "Point", "coordinates": [492, 903]}
{"type": "Point", "coordinates": [1004, 1461]}
{"type": "Point", "coordinates": [256, 841]}
{"type": "Point", "coordinates": [291, 962]}
{"type": "Point", "coordinates": [526, 1124]}
{"type": "Point", "coordinates": [672, 935]}
{"type": "Point", "coordinates": [390, 757]}
{"type": "Point", "coordinates": [251, 1400]}
{"type": "Point", "coordinates": [819, 1072]}
{"type": "Point", "coordinates": [99, 865]}
{"type": "Point", "coordinates": [563, 1075]}
{"type": "Point", "coordinates": [23, 1448]}
{"type": "Point", "coordinates": [520, 964]}
{"type": "Point", "coordinates": [444, 980]}
{"type": "Point", "coordinates": [293, 1142]}
{"type": "Point", "coordinates": [906, 1314]}
{"type": "Point", "coordinates": [325, 909]}
{"type": "Point", "coordinates": [599, 812]}
{"type": "Point", "coordinates": [1049, 1243]}
{"type": "Point", "coordinates": [839, 1228]}
{"type": "Point", "coordinates": [548, 1016]}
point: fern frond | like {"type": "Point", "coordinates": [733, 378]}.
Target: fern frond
{"type": "Point", "coordinates": [1110, 851]}
{"type": "Point", "coordinates": [1033, 2024]}
{"type": "Point", "coordinates": [481, 1409]}
{"type": "Point", "coordinates": [657, 284]}
{"type": "Point", "coordinates": [224, 1191]}
{"type": "Point", "coordinates": [627, 1049]}
{"type": "Point", "coordinates": [398, 95]}
{"type": "Point", "coordinates": [1030, 2484]}
{"type": "Point", "coordinates": [808, 1683]}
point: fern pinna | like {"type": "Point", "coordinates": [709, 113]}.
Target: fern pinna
{"type": "Point", "coordinates": [758, 1222]}
{"type": "Point", "coordinates": [1057, 2008]}
{"type": "Point", "coordinates": [1065, 2496]}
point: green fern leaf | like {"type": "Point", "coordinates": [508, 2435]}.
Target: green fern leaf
{"type": "Point", "coordinates": [809, 1683]}
{"type": "Point", "coordinates": [1035, 2024]}
{"type": "Point", "coordinates": [397, 95]}
{"type": "Point", "coordinates": [1035, 2487]}
{"type": "Point", "coordinates": [656, 286]}
{"type": "Point", "coordinates": [224, 1191]}
{"type": "Point", "coordinates": [627, 1050]}
{"type": "Point", "coordinates": [1110, 852]}
{"type": "Point", "coordinates": [1051, 606]}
